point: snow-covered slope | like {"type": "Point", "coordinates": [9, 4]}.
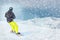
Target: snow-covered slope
{"type": "Point", "coordinates": [34, 29]}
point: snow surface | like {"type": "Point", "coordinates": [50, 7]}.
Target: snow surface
{"type": "Point", "coordinates": [34, 29]}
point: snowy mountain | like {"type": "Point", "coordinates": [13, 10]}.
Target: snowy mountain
{"type": "Point", "coordinates": [35, 29]}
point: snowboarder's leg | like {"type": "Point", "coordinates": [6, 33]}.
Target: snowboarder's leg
{"type": "Point", "coordinates": [15, 27]}
{"type": "Point", "coordinates": [12, 26]}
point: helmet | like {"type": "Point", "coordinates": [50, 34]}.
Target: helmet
{"type": "Point", "coordinates": [11, 8]}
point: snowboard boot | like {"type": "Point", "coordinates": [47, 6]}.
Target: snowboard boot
{"type": "Point", "coordinates": [12, 31]}
{"type": "Point", "coordinates": [18, 33]}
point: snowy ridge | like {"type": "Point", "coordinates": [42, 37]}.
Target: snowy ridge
{"type": "Point", "coordinates": [48, 22]}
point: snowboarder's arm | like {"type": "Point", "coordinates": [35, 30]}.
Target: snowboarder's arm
{"type": "Point", "coordinates": [6, 15]}
{"type": "Point", "coordinates": [14, 16]}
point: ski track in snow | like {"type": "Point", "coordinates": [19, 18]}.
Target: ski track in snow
{"type": "Point", "coordinates": [30, 31]}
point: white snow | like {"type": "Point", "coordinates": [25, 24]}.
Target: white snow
{"type": "Point", "coordinates": [34, 29]}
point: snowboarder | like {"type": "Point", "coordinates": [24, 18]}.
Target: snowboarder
{"type": "Point", "coordinates": [10, 16]}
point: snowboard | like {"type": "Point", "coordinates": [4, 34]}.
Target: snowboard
{"type": "Point", "coordinates": [18, 35]}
